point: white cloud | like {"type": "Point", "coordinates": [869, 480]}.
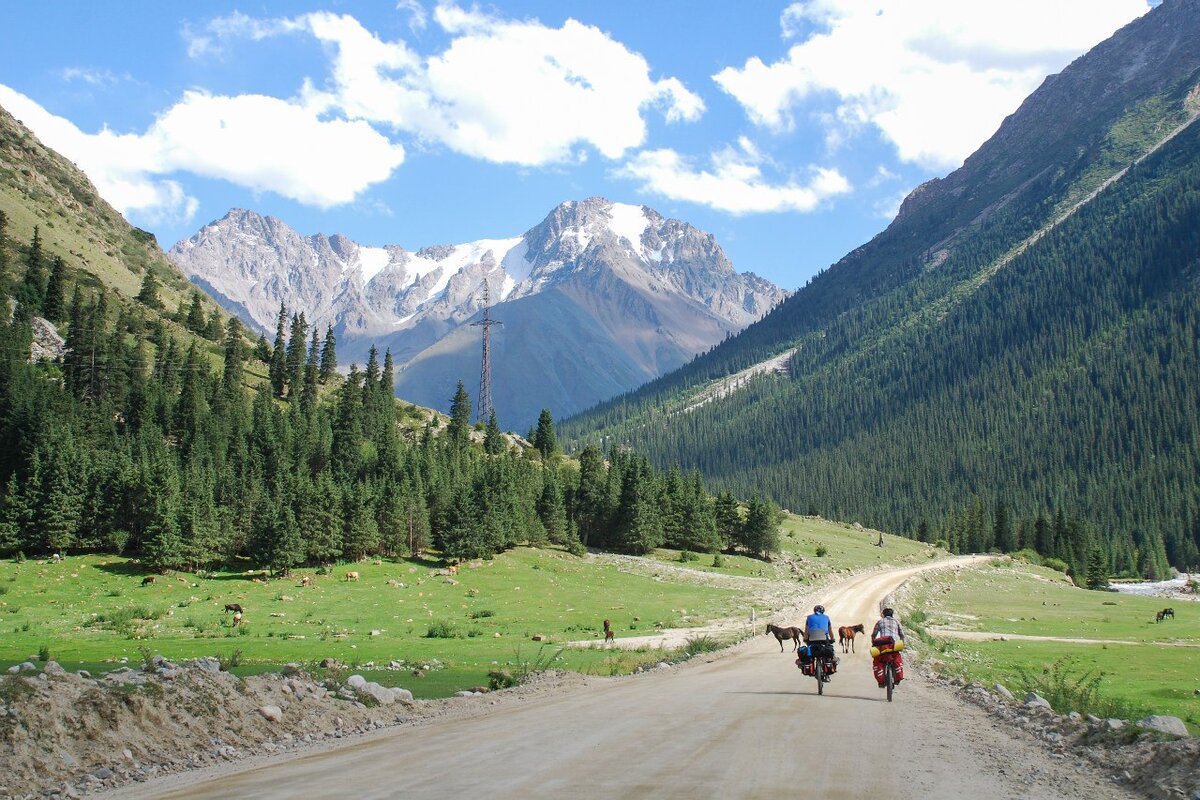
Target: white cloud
{"type": "Point", "coordinates": [94, 77]}
{"type": "Point", "coordinates": [734, 181]}
{"type": "Point", "coordinates": [112, 161]}
{"type": "Point", "coordinates": [262, 143]}
{"type": "Point", "coordinates": [935, 77]}
{"type": "Point", "coordinates": [418, 19]}
{"type": "Point", "coordinates": [502, 91]}
{"type": "Point", "coordinates": [211, 40]}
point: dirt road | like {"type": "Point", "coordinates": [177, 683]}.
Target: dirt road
{"type": "Point", "coordinates": [745, 725]}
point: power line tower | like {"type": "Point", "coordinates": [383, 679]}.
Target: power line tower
{"type": "Point", "coordinates": [485, 373]}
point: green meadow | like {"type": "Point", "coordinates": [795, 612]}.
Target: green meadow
{"type": "Point", "coordinates": [1157, 672]}
{"type": "Point", "coordinates": [451, 630]}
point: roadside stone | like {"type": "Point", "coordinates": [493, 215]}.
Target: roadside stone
{"type": "Point", "coordinates": [1173, 726]}
{"type": "Point", "coordinates": [206, 664]}
{"type": "Point", "coordinates": [1114, 724]}
{"type": "Point", "coordinates": [27, 666]}
{"type": "Point", "coordinates": [381, 694]}
{"type": "Point", "coordinates": [1035, 700]}
{"type": "Point", "coordinates": [356, 681]}
{"type": "Point", "coordinates": [1003, 691]}
{"type": "Point", "coordinates": [103, 774]}
{"type": "Point", "coordinates": [53, 668]}
{"type": "Point", "coordinates": [271, 713]}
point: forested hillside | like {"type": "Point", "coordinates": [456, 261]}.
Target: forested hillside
{"type": "Point", "coordinates": [159, 430]}
{"type": "Point", "coordinates": [1013, 351]}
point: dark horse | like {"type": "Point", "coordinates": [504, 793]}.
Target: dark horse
{"type": "Point", "coordinates": [1166, 612]}
{"type": "Point", "coordinates": [846, 636]}
{"type": "Point", "coordinates": [782, 634]}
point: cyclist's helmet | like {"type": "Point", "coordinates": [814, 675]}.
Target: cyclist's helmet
{"type": "Point", "coordinates": [818, 609]}
{"type": "Point", "coordinates": [887, 612]}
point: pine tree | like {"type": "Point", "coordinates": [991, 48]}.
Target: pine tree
{"type": "Point", "coordinates": [231, 374]}
{"type": "Point", "coordinates": [328, 355]}
{"type": "Point", "coordinates": [760, 533]}
{"type": "Point", "coordinates": [590, 512]}
{"type": "Point", "coordinates": [493, 440]}
{"type": "Point", "coordinates": [1002, 530]}
{"type": "Point", "coordinates": [460, 415]}
{"type": "Point", "coordinates": [278, 370]}
{"type": "Point", "coordinates": [196, 321]}
{"type": "Point", "coordinates": [31, 292]}
{"type": "Point", "coordinates": [1097, 569]}
{"type": "Point", "coordinates": [148, 294]}
{"type": "Point", "coordinates": [728, 520]}
{"type": "Point", "coordinates": [296, 355]}
{"type": "Point", "coordinates": [544, 440]}
{"type": "Point", "coordinates": [54, 305]}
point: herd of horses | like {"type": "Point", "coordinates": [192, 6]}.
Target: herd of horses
{"type": "Point", "coordinates": [1166, 612]}
{"type": "Point", "coordinates": [846, 635]}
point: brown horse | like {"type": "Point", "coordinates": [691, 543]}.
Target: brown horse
{"type": "Point", "coordinates": [783, 634]}
{"type": "Point", "coordinates": [846, 636]}
{"type": "Point", "coordinates": [1166, 612]}
{"type": "Point", "coordinates": [609, 636]}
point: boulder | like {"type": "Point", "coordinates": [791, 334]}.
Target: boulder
{"type": "Point", "coordinates": [53, 668]}
{"type": "Point", "coordinates": [381, 694]}
{"type": "Point", "coordinates": [206, 664]}
{"type": "Point", "coordinates": [1035, 700]}
{"type": "Point", "coordinates": [1114, 724]}
{"type": "Point", "coordinates": [1002, 690]}
{"type": "Point", "coordinates": [356, 681]}
{"type": "Point", "coordinates": [1173, 726]}
{"type": "Point", "coordinates": [271, 713]}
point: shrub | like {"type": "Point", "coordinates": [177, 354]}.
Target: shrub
{"type": "Point", "coordinates": [233, 659]}
{"type": "Point", "coordinates": [718, 560]}
{"type": "Point", "coordinates": [696, 645]}
{"type": "Point", "coordinates": [501, 679]}
{"type": "Point", "coordinates": [44, 653]}
{"type": "Point", "coordinates": [482, 613]}
{"type": "Point", "coordinates": [1066, 689]}
{"type": "Point", "coordinates": [1027, 555]}
{"type": "Point", "coordinates": [1055, 564]}
{"type": "Point", "coordinates": [822, 551]}
{"type": "Point", "coordinates": [687, 555]}
{"type": "Point", "coordinates": [441, 630]}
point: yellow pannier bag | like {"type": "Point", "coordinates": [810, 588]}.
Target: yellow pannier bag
{"type": "Point", "coordinates": [895, 648]}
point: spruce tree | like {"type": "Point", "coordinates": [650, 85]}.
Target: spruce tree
{"type": "Point", "coordinates": [460, 415]}
{"type": "Point", "coordinates": [760, 533]}
{"type": "Point", "coordinates": [544, 439]}
{"type": "Point", "coordinates": [196, 321]}
{"type": "Point", "coordinates": [328, 355]}
{"type": "Point", "coordinates": [296, 355]}
{"type": "Point", "coordinates": [1097, 569]}
{"type": "Point", "coordinates": [278, 369]}
{"type": "Point", "coordinates": [493, 440]}
{"type": "Point", "coordinates": [231, 374]}
{"type": "Point", "coordinates": [54, 305]}
{"type": "Point", "coordinates": [31, 292]}
{"type": "Point", "coordinates": [148, 294]}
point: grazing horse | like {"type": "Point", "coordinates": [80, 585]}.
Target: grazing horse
{"type": "Point", "coordinates": [609, 636]}
{"type": "Point", "coordinates": [1166, 612]}
{"type": "Point", "coordinates": [352, 575]}
{"type": "Point", "coordinates": [783, 634]}
{"type": "Point", "coordinates": [149, 579]}
{"type": "Point", "coordinates": [846, 636]}
{"type": "Point", "coordinates": [234, 607]}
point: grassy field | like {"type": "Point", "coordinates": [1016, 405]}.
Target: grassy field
{"type": "Point", "coordinates": [92, 611]}
{"type": "Point", "coordinates": [1157, 672]}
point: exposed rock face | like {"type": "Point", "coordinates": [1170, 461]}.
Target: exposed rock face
{"type": "Point", "coordinates": [597, 299]}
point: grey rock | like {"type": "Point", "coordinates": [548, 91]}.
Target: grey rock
{"type": "Point", "coordinates": [1002, 690]}
{"type": "Point", "coordinates": [356, 681]}
{"type": "Point", "coordinates": [271, 713]}
{"type": "Point", "coordinates": [206, 664]}
{"type": "Point", "coordinates": [1114, 724]}
{"type": "Point", "coordinates": [1035, 700]}
{"type": "Point", "coordinates": [27, 666]}
{"type": "Point", "coordinates": [53, 668]}
{"type": "Point", "coordinates": [103, 773]}
{"type": "Point", "coordinates": [83, 673]}
{"type": "Point", "coordinates": [1172, 726]}
{"type": "Point", "coordinates": [381, 694]}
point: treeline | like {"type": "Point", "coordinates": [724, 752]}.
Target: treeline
{"type": "Point", "coordinates": [1065, 380]}
{"type": "Point", "coordinates": [145, 440]}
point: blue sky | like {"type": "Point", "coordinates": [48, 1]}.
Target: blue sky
{"type": "Point", "coordinates": [791, 131]}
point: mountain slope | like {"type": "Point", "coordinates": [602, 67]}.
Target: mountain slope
{"type": "Point", "coordinates": [614, 294]}
{"type": "Point", "coordinates": [1006, 338]}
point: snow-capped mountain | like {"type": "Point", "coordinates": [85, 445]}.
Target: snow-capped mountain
{"type": "Point", "coordinates": [596, 300]}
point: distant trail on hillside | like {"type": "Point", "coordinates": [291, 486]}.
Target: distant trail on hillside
{"type": "Point", "coordinates": [744, 724]}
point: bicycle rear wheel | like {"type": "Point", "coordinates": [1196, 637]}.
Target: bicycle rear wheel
{"type": "Point", "coordinates": [820, 670]}
{"type": "Point", "coordinates": [889, 676]}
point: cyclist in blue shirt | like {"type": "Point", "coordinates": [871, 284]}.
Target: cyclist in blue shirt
{"type": "Point", "coordinates": [818, 634]}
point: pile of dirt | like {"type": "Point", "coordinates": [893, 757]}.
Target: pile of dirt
{"type": "Point", "coordinates": [68, 734]}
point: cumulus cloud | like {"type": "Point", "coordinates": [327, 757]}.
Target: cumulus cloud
{"type": "Point", "coordinates": [935, 77]}
{"type": "Point", "coordinates": [262, 143]}
{"type": "Point", "coordinates": [733, 182]}
{"type": "Point", "coordinates": [515, 92]}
